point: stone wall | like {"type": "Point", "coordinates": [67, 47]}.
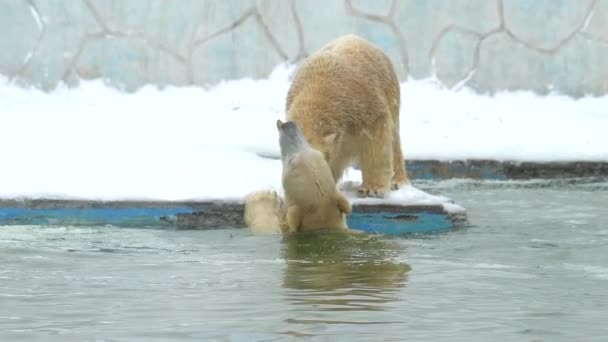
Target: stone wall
{"type": "Point", "coordinates": [488, 45]}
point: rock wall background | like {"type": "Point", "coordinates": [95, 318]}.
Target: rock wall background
{"type": "Point", "coordinates": [488, 45]}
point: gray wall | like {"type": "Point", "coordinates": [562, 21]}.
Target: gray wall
{"type": "Point", "coordinates": [485, 44]}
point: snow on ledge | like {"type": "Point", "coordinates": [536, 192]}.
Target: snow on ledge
{"type": "Point", "coordinates": [192, 143]}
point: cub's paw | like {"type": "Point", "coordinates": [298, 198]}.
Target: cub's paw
{"type": "Point", "coordinates": [371, 191]}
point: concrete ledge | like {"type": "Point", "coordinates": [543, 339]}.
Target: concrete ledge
{"type": "Point", "coordinates": [497, 170]}
{"type": "Point", "coordinates": [372, 218]}
{"type": "Point", "coordinates": [378, 218]}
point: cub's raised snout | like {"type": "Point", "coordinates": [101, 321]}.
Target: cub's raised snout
{"type": "Point", "coordinates": [291, 141]}
{"type": "Point", "coordinates": [290, 129]}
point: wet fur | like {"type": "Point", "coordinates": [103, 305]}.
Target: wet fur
{"type": "Point", "coordinates": [312, 199]}
{"type": "Point", "coordinates": [262, 211]}
{"type": "Point", "coordinates": [346, 100]}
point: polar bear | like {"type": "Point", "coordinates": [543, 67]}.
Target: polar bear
{"type": "Point", "coordinates": [312, 199]}
{"type": "Point", "coordinates": [346, 99]}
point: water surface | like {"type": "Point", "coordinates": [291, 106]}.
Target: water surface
{"type": "Point", "coordinates": [533, 266]}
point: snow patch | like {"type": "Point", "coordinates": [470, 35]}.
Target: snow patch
{"type": "Point", "coordinates": [192, 143]}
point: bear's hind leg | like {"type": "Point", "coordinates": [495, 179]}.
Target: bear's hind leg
{"type": "Point", "coordinates": [262, 211]}
{"type": "Point", "coordinates": [376, 158]}
{"type": "Point", "coordinates": [399, 170]}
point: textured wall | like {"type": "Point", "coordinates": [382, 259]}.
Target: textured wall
{"type": "Point", "coordinates": [485, 44]}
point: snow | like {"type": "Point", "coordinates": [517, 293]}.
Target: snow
{"type": "Point", "coordinates": [517, 126]}
{"type": "Point", "coordinates": [191, 143]}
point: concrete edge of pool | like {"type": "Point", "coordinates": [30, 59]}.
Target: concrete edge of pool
{"type": "Point", "coordinates": [488, 169]}
{"type": "Point", "coordinates": [387, 219]}
{"type": "Point", "coordinates": [481, 169]}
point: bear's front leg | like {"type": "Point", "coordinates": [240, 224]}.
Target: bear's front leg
{"type": "Point", "coordinates": [294, 218]}
{"type": "Point", "coordinates": [343, 204]}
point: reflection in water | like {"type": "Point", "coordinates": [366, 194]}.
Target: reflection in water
{"type": "Point", "coordinates": [334, 271]}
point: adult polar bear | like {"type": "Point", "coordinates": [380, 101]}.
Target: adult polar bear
{"type": "Point", "coordinates": [346, 99]}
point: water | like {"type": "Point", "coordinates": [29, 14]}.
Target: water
{"type": "Point", "coordinates": [532, 267]}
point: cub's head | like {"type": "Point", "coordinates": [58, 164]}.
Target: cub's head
{"type": "Point", "coordinates": [291, 138]}
{"type": "Point", "coordinates": [289, 130]}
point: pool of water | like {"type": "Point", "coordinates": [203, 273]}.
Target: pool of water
{"type": "Point", "coordinates": [533, 266]}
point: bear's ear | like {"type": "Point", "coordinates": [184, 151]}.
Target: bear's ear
{"type": "Point", "coordinates": [279, 124]}
{"type": "Point", "coordinates": [330, 138]}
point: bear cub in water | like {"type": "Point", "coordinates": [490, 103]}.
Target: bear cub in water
{"type": "Point", "coordinates": [312, 199]}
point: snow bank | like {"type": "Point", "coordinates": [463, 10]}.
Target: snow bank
{"type": "Point", "coordinates": [192, 143]}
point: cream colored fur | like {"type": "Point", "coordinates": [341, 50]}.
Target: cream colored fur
{"type": "Point", "coordinates": [312, 200]}
{"type": "Point", "coordinates": [346, 99]}
{"type": "Point", "coordinates": [262, 211]}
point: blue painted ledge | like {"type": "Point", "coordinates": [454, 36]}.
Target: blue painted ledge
{"type": "Point", "coordinates": [383, 219]}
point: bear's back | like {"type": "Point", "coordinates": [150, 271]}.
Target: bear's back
{"type": "Point", "coordinates": [348, 75]}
